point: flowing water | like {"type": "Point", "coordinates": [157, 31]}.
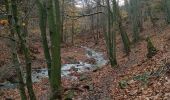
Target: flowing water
{"type": "Point", "coordinates": [67, 69]}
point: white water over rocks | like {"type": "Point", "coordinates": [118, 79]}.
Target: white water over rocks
{"type": "Point", "coordinates": [79, 67]}
{"type": "Point", "coordinates": [98, 56]}
{"type": "Point", "coordinates": [67, 69]}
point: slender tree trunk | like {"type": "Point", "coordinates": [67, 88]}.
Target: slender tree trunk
{"type": "Point", "coordinates": [110, 38]}
{"type": "Point", "coordinates": [118, 20]}
{"type": "Point", "coordinates": [134, 12]}
{"type": "Point", "coordinates": [42, 24]}
{"type": "Point", "coordinates": [25, 50]}
{"type": "Point", "coordinates": [72, 29]}
{"type": "Point", "coordinates": [17, 67]}
{"type": "Point", "coordinates": [54, 28]}
{"type": "Point", "coordinates": [96, 36]}
{"type": "Point", "coordinates": [62, 22]}
{"type": "Point", "coordinates": [166, 4]}
{"type": "Point", "coordinates": [150, 16]}
{"type": "Point", "coordinates": [14, 54]}
{"type": "Point", "coordinates": [92, 25]}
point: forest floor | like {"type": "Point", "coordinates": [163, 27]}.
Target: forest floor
{"type": "Point", "coordinates": [134, 78]}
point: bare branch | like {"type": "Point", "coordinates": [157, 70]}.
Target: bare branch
{"type": "Point", "coordinates": [84, 15]}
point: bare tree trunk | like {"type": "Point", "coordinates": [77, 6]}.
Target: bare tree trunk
{"type": "Point", "coordinates": [14, 54]}
{"type": "Point", "coordinates": [92, 25]}
{"type": "Point", "coordinates": [110, 38]}
{"type": "Point", "coordinates": [96, 36]}
{"type": "Point", "coordinates": [135, 19]}
{"type": "Point", "coordinates": [118, 20]}
{"type": "Point", "coordinates": [166, 5]}
{"type": "Point", "coordinates": [43, 25]}
{"type": "Point", "coordinates": [72, 29]}
{"type": "Point", "coordinates": [25, 50]}
{"type": "Point", "coordinates": [62, 22]}
{"type": "Point", "coordinates": [54, 28]}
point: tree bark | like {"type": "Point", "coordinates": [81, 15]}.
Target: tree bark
{"type": "Point", "coordinates": [25, 50]}
{"type": "Point", "coordinates": [54, 28]}
{"type": "Point", "coordinates": [135, 19]}
{"type": "Point", "coordinates": [110, 38]}
{"type": "Point", "coordinates": [166, 4]}
{"type": "Point", "coordinates": [42, 24]}
{"type": "Point", "coordinates": [15, 58]}
{"type": "Point", "coordinates": [118, 21]}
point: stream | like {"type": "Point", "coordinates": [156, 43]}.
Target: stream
{"type": "Point", "coordinates": [67, 69]}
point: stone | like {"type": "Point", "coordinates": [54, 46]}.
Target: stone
{"type": "Point", "coordinates": [131, 82]}
{"type": "Point", "coordinates": [133, 92]}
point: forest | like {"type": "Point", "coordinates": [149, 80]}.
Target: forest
{"type": "Point", "coordinates": [84, 49]}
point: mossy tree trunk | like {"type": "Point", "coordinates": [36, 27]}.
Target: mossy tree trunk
{"type": "Point", "coordinates": [166, 5]}
{"type": "Point", "coordinates": [135, 18]}
{"type": "Point", "coordinates": [118, 22]}
{"type": "Point", "coordinates": [43, 24]}
{"type": "Point", "coordinates": [56, 41]}
{"type": "Point", "coordinates": [53, 15]}
{"type": "Point", "coordinates": [15, 58]}
{"type": "Point", "coordinates": [151, 49]}
{"type": "Point", "coordinates": [24, 48]}
{"type": "Point", "coordinates": [62, 22]}
{"type": "Point", "coordinates": [151, 17]}
{"type": "Point", "coordinates": [110, 37]}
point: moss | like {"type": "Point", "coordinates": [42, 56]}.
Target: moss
{"type": "Point", "coordinates": [123, 84]}
{"type": "Point", "coordinates": [151, 49]}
